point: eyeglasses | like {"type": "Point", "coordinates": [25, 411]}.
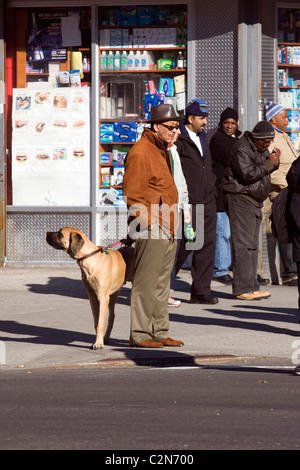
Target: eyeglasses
{"type": "Point", "coordinates": [267, 142]}
{"type": "Point", "coordinates": [171, 128]}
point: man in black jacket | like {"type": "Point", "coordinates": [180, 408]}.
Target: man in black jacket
{"type": "Point", "coordinates": [197, 168]}
{"type": "Point", "coordinates": [293, 179]}
{"type": "Point", "coordinates": [220, 147]}
{"type": "Point", "coordinates": [246, 186]}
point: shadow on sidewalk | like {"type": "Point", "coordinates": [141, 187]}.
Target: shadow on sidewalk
{"type": "Point", "coordinates": [42, 335]}
{"type": "Point", "coordinates": [72, 288]}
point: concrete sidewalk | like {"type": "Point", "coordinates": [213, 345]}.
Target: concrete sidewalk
{"type": "Point", "coordinates": [46, 321]}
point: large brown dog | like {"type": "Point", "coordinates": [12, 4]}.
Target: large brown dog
{"type": "Point", "coordinates": [103, 273]}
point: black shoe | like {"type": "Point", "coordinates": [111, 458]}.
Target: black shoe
{"type": "Point", "coordinates": [226, 279]}
{"type": "Point", "coordinates": [290, 282]}
{"type": "Point", "coordinates": [262, 281]}
{"type": "Point", "coordinates": [203, 299]}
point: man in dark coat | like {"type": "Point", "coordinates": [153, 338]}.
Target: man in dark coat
{"type": "Point", "coordinates": [246, 186]}
{"type": "Point", "coordinates": [293, 179]}
{"type": "Point", "coordinates": [197, 168]}
{"type": "Point", "coordinates": [220, 148]}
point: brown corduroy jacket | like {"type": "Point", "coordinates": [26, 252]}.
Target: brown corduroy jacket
{"type": "Point", "coordinates": [149, 186]}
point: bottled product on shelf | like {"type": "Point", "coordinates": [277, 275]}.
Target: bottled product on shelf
{"type": "Point", "coordinates": [103, 61]}
{"type": "Point", "coordinates": [124, 61]}
{"type": "Point", "coordinates": [110, 61]}
{"type": "Point", "coordinates": [180, 60]}
{"type": "Point", "coordinates": [130, 63]}
{"type": "Point", "coordinates": [84, 64]}
{"type": "Point", "coordinates": [117, 61]}
{"type": "Point", "coordinates": [137, 60]}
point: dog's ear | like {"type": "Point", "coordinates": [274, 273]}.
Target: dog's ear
{"type": "Point", "coordinates": [76, 243]}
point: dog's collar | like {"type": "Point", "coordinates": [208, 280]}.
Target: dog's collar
{"type": "Point", "coordinates": [90, 254]}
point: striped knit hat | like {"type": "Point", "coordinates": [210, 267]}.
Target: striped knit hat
{"type": "Point", "coordinates": [272, 109]}
{"type": "Point", "coordinates": [263, 131]}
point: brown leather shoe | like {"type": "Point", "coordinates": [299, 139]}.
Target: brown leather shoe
{"type": "Point", "coordinates": [171, 342]}
{"type": "Point", "coordinates": [150, 343]}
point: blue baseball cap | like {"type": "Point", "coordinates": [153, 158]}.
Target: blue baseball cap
{"type": "Point", "coordinates": [197, 107]}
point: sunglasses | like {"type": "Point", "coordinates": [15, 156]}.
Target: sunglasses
{"type": "Point", "coordinates": [171, 128]}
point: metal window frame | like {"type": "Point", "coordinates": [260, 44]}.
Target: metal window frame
{"type": "Point", "coordinates": [96, 211]}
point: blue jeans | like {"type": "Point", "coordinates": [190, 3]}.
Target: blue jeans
{"type": "Point", "coordinates": [223, 247]}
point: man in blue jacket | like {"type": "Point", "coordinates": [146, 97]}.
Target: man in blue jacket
{"type": "Point", "coordinates": [197, 168]}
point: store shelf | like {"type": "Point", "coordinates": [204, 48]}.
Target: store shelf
{"type": "Point", "coordinates": [114, 143]}
{"type": "Point", "coordinates": [288, 44]}
{"type": "Point", "coordinates": [177, 25]}
{"type": "Point", "coordinates": [289, 65]}
{"type": "Point", "coordinates": [42, 74]}
{"type": "Point", "coordinates": [109, 72]}
{"type": "Point", "coordinates": [288, 69]}
{"type": "Point", "coordinates": [168, 48]}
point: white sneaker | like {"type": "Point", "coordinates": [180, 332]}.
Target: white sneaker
{"type": "Point", "coordinates": [174, 303]}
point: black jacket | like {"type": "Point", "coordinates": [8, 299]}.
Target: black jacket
{"type": "Point", "coordinates": [293, 179]}
{"type": "Point", "coordinates": [248, 173]}
{"type": "Point", "coordinates": [197, 169]}
{"type": "Point", "coordinates": [220, 148]}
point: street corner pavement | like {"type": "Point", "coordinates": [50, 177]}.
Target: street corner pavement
{"type": "Point", "coordinates": [46, 322]}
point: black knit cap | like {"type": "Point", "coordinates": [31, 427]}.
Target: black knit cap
{"type": "Point", "coordinates": [229, 113]}
{"type": "Point", "coordinates": [263, 131]}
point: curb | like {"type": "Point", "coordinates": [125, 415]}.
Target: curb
{"type": "Point", "coordinates": [169, 361]}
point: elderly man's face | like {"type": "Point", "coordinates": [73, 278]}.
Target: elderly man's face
{"type": "Point", "coordinates": [167, 131]}
{"type": "Point", "coordinates": [281, 120]}
{"type": "Point", "coordinates": [263, 144]}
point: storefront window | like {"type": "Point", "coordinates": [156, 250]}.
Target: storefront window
{"type": "Point", "coordinates": [51, 109]}
{"type": "Point", "coordinates": [143, 62]}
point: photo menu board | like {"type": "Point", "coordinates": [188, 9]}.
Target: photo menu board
{"type": "Point", "coordinates": [51, 147]}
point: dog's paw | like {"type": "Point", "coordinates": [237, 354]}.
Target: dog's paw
{"type": "Point", "coordinates": [97, 346]}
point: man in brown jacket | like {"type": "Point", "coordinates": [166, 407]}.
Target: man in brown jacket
{"type": "Point", "coordinates": [152, 199]}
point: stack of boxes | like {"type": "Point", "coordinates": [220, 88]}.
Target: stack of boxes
{"type": "Point", "coordinates": [118, 132]}
{"type": "Point", "coordinates": [118, 38]}
{"type": "Point", "coordinates": [112, 174]}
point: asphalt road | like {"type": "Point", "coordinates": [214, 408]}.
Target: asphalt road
{"type": "Point", "coordinates": [173, 410]}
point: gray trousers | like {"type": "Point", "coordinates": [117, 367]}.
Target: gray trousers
{"type": "Point", "coordinates": [154, 260]}
{"type": "Point", "coordinates": [245, 220]}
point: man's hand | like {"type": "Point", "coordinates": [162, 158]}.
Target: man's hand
{"type": "Point", "coordinates": [274, 157]}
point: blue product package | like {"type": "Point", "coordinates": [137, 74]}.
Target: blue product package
{"type": "Point", "coordinates": [161, 16]}
{"type": "Point", "coordinates": [106, 127]}
{"type": "Point", "coordinates": [144, 15]}
{"type": "Point", "coordinates": [144, 11]}
{"type": "Point", "coordinates": [128, 15]}
{"type": "Point", "coordinates": [119, 201]}
{"type": "Point", "coordinates": [105, 158]}
{"type": "Point", "coordinates": [114, 17]}
{"type": "Point", "coordinates": [152, 100]}
{"type": "Point", "coordinates": [130, 126]}
{"type": "Point", "coordinates": [166, 86]}
{"type": "Point", "coordinates": [124, 136]}
{"type": "Point", "coordinates": [106, 137]}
